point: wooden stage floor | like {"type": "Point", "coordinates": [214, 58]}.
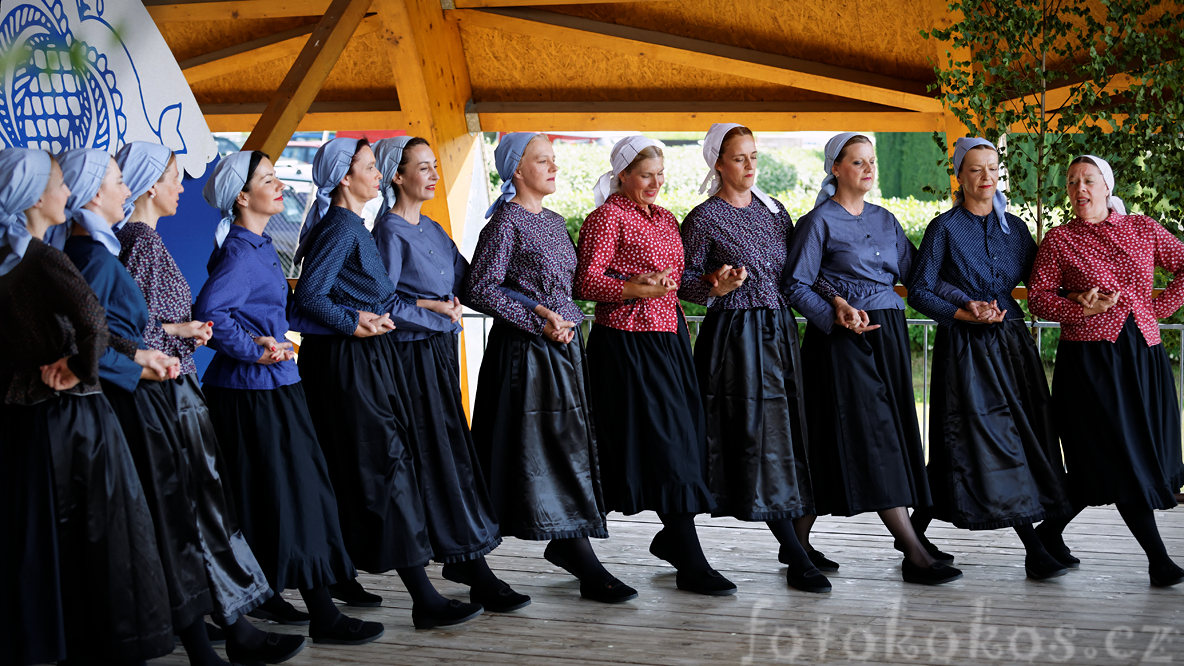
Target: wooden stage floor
{"type": "Point", "coordinates": [1104, 613]}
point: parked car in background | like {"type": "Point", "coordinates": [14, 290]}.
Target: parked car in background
{"type": "Point", "coordinates": [225, 145]}
{"type": "Point", "coordinates": [284, 228]}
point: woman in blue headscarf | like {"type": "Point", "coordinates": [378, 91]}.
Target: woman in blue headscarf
{"type": "Point", "coordinates": [532, 425]}
{"type": "Point", "coordinates": [351, 376]}
{"type": "Point", "coordinates": [84, 580]}
{"type": "Point", "coordinates": [994, 457]}
{"type": "Point", "coordinates": [428, 274]}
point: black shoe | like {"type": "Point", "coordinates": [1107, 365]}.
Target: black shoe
{"type": "Point", "coordinates": [935, 574]}
{"type": "Point", "coordinates": [1043, 568]}
{"type": "Point", "coordinates": [351, 593]}
{"type": "Point", "coordinates": [503, 600]}
{"type": "Point", "coordinates": [816, 557]}
{"type": "Point", "coordinates": [454, 612]}
{"type": "Point", "coordinates": [662, 549]}
{"type": "Point", "coordinates": [933, 550]}
{"type": "Point", "coordinates": [1166, 576]}
{"type": "Point", "coordinates": [709, 582]}
{"type": "Point", "coordinates": [347, 631]}
{"type": "Point", "coordinates": [810, 580]}
{"type": "Point", "coordinates": [1055, 545]}
{"type": "Point", "coordinates": [279, 611]}
{"type": "Point", "coordinates": [276, 649]}
{"type": "Point", "coordinates": [607, 591]}
{"type": "Point", "coordinates": [216, 634]}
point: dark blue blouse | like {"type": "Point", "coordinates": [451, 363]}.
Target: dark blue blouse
{"type": "Point", "coordinates": [342, 273]}
{"type": "Point", "coordinates": [245, 296]}
{"type": "Point", "coordinates": [422, 262]}
{"type": "Point", "coordinates": [121, 298]}
{"type": "Point", "coordinates": [972, 254]}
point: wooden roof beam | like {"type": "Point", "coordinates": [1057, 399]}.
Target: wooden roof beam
{"type": "Point", "coordinates": [477, 4]}
{"type": "Point", "coordinates": [363, 115]}
{"type": "Point", "coordinates": [163, 11]}
{"type": "Point", "coordinates": [730, 60]}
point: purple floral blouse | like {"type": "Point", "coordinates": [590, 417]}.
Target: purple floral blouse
{"type": "Point", "coordinates": [165, 289]}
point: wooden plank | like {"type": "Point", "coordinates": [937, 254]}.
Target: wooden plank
{"type": "Point", "coordinates": [478, 4]}
{"type": "Point", "coordinates": [365, 115]}
{"type": "Point", "coordinates": [300, 86]}
{"type": "Point", "coordinates": [163, 11]}
{"type": "Point", "coordinates": [653, 46]}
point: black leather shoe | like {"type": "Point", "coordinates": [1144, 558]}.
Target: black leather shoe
{"type": "Point", "coordinates": [279, 611]}
{"type": "Point", "coordinates": [502, 600]}
{"type": "Point", "coordinates": [276, 649]}
{"type": "Point", "coordinates": [662, 549]}
{"type": "Point", "coordinates": [1166, 577]}
{"type": "Point", "coordinates": [1043, 568]}
{"type": "Point", "coordinates": [216, 634]}
{"type": "Point", "coordinates": [454, 612]}
{"type": "Point", "coordinates": [933, 550]}
{"type": "Point", "coordinates": [347, 631]}
{"type": "Point", "coordinates": [810, 580]}
{"type": "Point", "coordinates": [608, 591]}
{"type": "Point", "coordinates": [1055, 545]}
{"type": "Point", "coordinates": [816, 557]}
{"type": "Point", "coordinates": [351, 593]}
{"type": "Point", "coordinates": [709, 582]}
{"type": "Point", "coordinates": [936, 574]}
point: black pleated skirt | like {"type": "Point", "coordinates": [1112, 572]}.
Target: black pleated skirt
{"type": "Point", "coordinates": [86, 576]}
{"type": "Point", "coordinates": [750, 376]}
{"type": "Point", "coordinates": [280, 482]}
{"type": "Point", "coordinates": [460, 516]}
{"type": "Point", "coordinates": [649, 421]}
{"type": "Point", "coordinates": [532, 429]}
{"type": "Point", "coordinates": [865, 447]}
{"type": "Point", "coordinates": [994, 457]}
{"type": "Point", "coordinates": [1116, 409]}
{"type": "Point", "coordinates": [360, 419]}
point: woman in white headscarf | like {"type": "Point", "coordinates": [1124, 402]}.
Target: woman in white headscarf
{"type": "Point", "coordinates": [83, 579]}
{"type": "Point", "coordinates": [1114, 398]}
{"type": "Point", "coordinates": [645, 398]}
{"type": "Point", "coordinates": [747, 351]}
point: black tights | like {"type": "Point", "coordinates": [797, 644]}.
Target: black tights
{"type": "Point", "coordinates": [680, 529]}
{"type": "Point", "coordinates": [1139, 519]}
{"type": "Point", "coordinates": [197, 645]}
{"type": "Point", "coordinates": [423, 594]}
{"type": "Point", "coordinates": [578, 552]}
{"type": "Point", "coordinates": [1032, 545]}
{"type": "Point", "coordinates": [895, 519]}
{"type": "Point", "coordinates": [783, 529]}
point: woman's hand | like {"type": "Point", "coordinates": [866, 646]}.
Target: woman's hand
{"type": "Point", "coordinates": [370, 324]}
{"type": "Point", "coordinates": [851, 318]}
{"type": "Point", "coordinates": [557, 329]}
{"type": "Point", "coordinates": [274, 352]}
{"type": "Point", "coordinates": [202, 331]}
{"type": "Point", "coordinates": [58, 376]}
{"type": "Point", "coordinates": [981, 312]}
{"type": "Point", "coordinates": [157, 366]}
{"type": "Point", "coordinates": [1100, 302]}
{"type": "Point", "coordinates": [725, 280]}
{"type": "Point", "coordinates": [649, 285]}
{"type": "Point", "coordinates": [451, 309]}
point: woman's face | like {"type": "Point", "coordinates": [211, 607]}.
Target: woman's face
{"type": "Point", "coordinates": [416, 179]}
{"type": "Point", "coordinates": [644, 180]}
{"type": "Point", "coordinates": [857, 170]}
{"type": "Point", "coordinates": [979, 177]}
{"type": "Point", "coordinates": [167, 191]}
{"type": "Point", "coordinates": [108, 201]}
{"type": "Point", "coordinates": [536, 172]}
{"type": "Point", "coordinates": [737, 163]}
{"type": "Point", "coordinates": [265, 192]}
{"type": "Point", "coordinates": [52, 204]}
{"type": "Point", "coordinates": [363, 180]}
{"type": "Point", "coordinates": [1088, 192]}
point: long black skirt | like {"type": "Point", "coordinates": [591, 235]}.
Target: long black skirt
{"type": "Point", "coordinates": [532, 429]}
{"type": "Point", "coordinates": [865, 447]}
{"type": "Point", "coordinates": [994, 457]}
{"type": "Point", "coordinates": [460, 517]}
{"type": "Point", "coordinates": [361, 424]}
{"type": "Point", "coordinates": [750, 376]}
{"type": "Point", "coordinates": [1116, 409]}
{"type": "Point", "coordinates": [649, 421]}
{"type": "Point", "coordinates": [280, 483]}
{"type": "Point", "coordinates": [87, 579]}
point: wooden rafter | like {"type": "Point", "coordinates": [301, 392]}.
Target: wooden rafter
{"type": "Point", "coordinates": [357, 115]}
{"type": "Point", "coordinates": [296, 93]}
{"type": "Point", "coordinates": [476, 4]}
{"type": "Point", "coordinates": [730, 60]}
{"type": "Point", "coordinates": [1056, 98]}
{"type": "Point", "coordinates": [163, 11]}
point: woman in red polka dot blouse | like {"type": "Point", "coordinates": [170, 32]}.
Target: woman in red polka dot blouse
{"type": "Point", "coordinates": [1114, 399]}
{"type": "Point", "coordinates": [645, 398]}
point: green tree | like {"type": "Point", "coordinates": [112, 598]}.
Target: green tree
{"type": "Point", "coordinates": [909, 163]}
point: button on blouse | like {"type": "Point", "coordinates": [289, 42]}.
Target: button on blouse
{"type": "Point", "coordinates": [422, 262]}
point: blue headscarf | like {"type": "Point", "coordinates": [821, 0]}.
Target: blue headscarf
{"type": "Point", "coordinates": [143, 164]}
{"type": "Point", "coordinates": [963, 146]}
{"type": "Point", "coordinates": [329, 166]}
{"type": "Point", "coordinates": [229, 178]}
{"type": "Point", "coordinates": [24, 174]}
{"type": "Point", "coordinates": [833, 148]}
{"type": "Point", "coordinates": [507, 156]}
{"type": "Point", "coordinates": [83, 170]}
{"type": "Point", "coordinates": [388, 153]}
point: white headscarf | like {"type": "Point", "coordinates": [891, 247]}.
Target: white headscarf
{"type": "Point", "coordinates": [963, 146]}
{"type": "Point", "coordinates": [624, 152]}
{"type": "Point", "coordinates": [1112, 202]}
{"type": "Point", "coordinates": [833, 148]}
{"type": "Point", "coordinates": [711, 145]}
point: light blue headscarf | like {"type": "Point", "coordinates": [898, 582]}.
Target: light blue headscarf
{"type": "Point", "coordinates": [24, 174]}
{"type": "Point", "coordinates": [143, 164]}
{"type": "Point", "coordinates": [963, 146]}
{"type": "Point", "coordinates": [833, 148]}
{"type": "Point", "coordinates": [329, 166]}
{"type": "Point", "coordinates": [388, 153]}
{"type": "Point", "coordinates": [229, 178]}
{"type": "Point", "coordinates": [83, 170]}
{"type": "Point", "coordinates": [507, 156]}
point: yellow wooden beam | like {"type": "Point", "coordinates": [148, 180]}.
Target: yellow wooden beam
{"type": "Point", "coordinates": [296, 93]}
{"type": "Point", "coordinates": [355, 116]}
{"type": "Point", "coordinates": [698, 116]}
{"type": "Point", "coordinates": [653, 46]}
{"type": "Point", "coordinates": [940, 17]}
{"type": "Point", "coordinates": [163, 11]}
{"type": "Point", "coordinates": [1056, 98]}
{"type": "Point", "coordinates": [477, 4]}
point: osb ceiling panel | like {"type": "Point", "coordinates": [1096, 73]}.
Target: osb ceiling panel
{"type": "Point", "coordinates": [188, 39]}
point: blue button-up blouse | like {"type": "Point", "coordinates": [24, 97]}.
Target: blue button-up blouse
{"type": "Point", "coordinates": [422, 262]}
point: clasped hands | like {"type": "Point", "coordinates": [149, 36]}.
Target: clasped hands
{"type": "Point", "coordinates": [851, 318]}
{"type": "Point", "coordinates": [1094, 301]}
